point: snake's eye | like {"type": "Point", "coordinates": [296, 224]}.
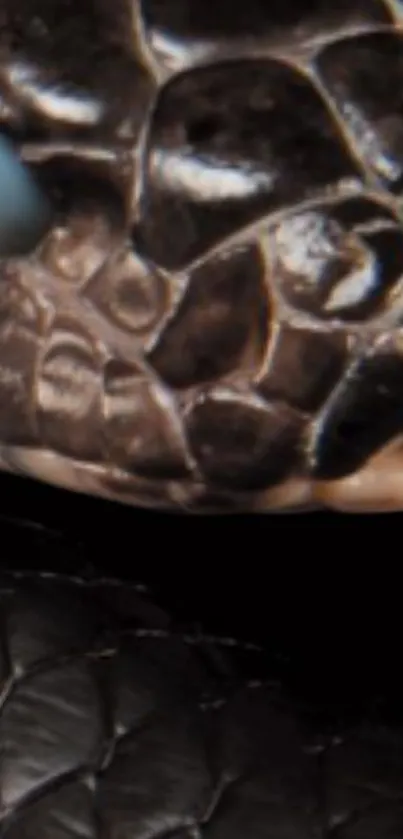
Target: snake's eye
{"type": "Point", "coordinates": [25, 212]}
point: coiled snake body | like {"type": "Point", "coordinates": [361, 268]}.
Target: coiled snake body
{"type": "Point", "coordinates": [210, 317]}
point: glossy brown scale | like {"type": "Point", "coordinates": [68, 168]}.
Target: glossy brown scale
{"type": "Point", "coordinates": [129, 293]}
{"type": "Point", "coordinates": [341, 262]}
{"type": "Point", "coordinates": [364, 76]}
{"type": "Point", "coordinates": [69, 390]}
{"type": "Point", "coordinates": [63, 66]}
{"type": "Point", "coordinates": [365, 412]}
{"type": "Point", "coordinates": [213, 319]}
{"type": "Point", "coordinates": [140, 435]}
{"type": "Point", "coordinates": [304, 365]}
{"type": "Point", "coordinates": [226, 147]}
{"type": "Point", "coordinates": [242, 443]}
{"type": "Point", "coordinates": [182, 33]}
{"type": "Point", "coordinates": [222, 323]}
{"type": "Point", "coordinates": [22, 327]}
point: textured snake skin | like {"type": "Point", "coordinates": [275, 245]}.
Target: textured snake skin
{"type": "Point", "coordinates": [213, 320]}
{"type": "Point", "coordinates": [116, 722]}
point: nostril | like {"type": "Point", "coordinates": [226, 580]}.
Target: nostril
{"type": "Point", "coordinates": [25, 211]}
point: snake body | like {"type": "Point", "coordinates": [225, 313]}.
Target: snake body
{"type": "Point", "coordinates": [211, 318]}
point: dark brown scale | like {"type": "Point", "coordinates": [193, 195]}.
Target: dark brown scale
{"type": "Point", "coordinates": [230, 26]}
{"type": "Point", "coordinates": [304, 365]}
{"type": "Point", "coordinates": [227, 146]}
{"type": "Point", "coordinates": [365, 412]}
{"type": "Point", "coordinates": [242, 443]}
{"type": "Point", "coordinates": [222, 324]}
{"type": "Point", "coordinates": [138, 435]}
{"type": "Point", "coordinates": [365, 78]}
{"type": "Point", "coordinates": [215, 313]}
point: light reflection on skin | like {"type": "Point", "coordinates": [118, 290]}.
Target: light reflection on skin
{"type": "Point", "coordinates": [371, 144]}
{"type": "Point", "coordinates": [306, 246]}
{"type": "Point", "coordinates": [355, 287]}
{"type": "Point", "coordinates": [176, 53]}
{"type": "Point", "coordinates": [303, 247]}
{"type": "Point", "coordinates": [54, 101]}
{"type": "Point", "coordinates": [205, 179]}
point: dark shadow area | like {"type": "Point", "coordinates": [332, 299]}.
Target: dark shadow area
{"type": "Point", "coordinates": [321, 591]}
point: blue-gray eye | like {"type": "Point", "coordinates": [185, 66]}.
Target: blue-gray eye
{"type": "Point", "coordinates": [24, 210]}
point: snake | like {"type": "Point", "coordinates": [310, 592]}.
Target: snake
{"type": "Point", "coordinates": [201, 243]}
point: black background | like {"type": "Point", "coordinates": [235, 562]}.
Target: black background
{"type": "Point", "coordinates": [321, 592]}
